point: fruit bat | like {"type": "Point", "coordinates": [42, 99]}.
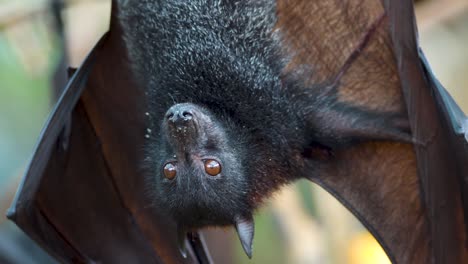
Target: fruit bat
{"type": "Point", "coordinates": [189, 114]}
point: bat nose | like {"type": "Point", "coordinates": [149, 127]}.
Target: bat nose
{"type": "Point", "coordinates": [180, 114]}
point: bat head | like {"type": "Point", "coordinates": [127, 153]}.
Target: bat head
{"type": "Point", "coordinates": [199, 167]}
{"type": "Point", "coordinates": [210, 168]}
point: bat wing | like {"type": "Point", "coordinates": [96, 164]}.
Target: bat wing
{"type": "Point", "coordinates": [403, 178]}
{"type": "Point", "coordinates": [442, 152]}
{"type": "Point", "coordinates": [83, 195]}
{"type": "Point", "coordinates": [457, 123]}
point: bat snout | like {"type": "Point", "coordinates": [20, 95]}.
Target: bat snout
{"type": "Point", "coordinates": [180, 115]}
{"type": "Point", "coordinates": [183, 124]}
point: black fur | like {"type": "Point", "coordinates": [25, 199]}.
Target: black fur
{"type": "Point", "coordinates": [227, 58]}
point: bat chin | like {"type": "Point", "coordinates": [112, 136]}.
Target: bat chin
{"type": "Point", "coordinates": [245, 229]}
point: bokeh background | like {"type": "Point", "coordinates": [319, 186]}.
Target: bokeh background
{"type": "Point", "coordinates": [301, 224]}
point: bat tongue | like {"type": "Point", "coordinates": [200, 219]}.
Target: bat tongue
{"type": "Point", "coordinates": [245, 230]}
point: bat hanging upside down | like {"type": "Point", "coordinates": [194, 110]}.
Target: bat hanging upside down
{"type": "Point", "coordinates": [229, 122]}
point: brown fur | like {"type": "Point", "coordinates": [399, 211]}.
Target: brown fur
{"type": "Point", "coordinates": [353, 48]}
{"type": "Point", "coordinates": [378, 181]}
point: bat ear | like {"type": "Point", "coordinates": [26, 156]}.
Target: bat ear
{"type": "Point", "coordinates": [245, 229]}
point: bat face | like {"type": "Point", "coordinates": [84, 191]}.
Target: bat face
{"type": "Point", "coordinates": [198, 169]}
{"type": "Point", "coordinates": [208, 169]}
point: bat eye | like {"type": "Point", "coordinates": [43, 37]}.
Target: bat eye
{"type": "Point", "coordinates": [212, 167]}
{"type": "Point", "coordinates": [170, 171]}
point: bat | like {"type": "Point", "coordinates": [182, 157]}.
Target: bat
{"type": "Point", "coordinates": [228, 125]}
{"type": "Point", "coordinates": [202, 109]}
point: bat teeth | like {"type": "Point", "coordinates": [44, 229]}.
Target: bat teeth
{"type": "Point", "coordinates": [245, 230]}
{"type": "Point", "coordinates": [183, 251]}
{"type": "Point", "coordinates": [181, 242]}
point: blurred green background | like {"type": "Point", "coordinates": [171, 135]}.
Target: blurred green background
{"type": "Point", "coordinates": [29, 52]}
{"type": "Point", "coordinates": [24, 99]}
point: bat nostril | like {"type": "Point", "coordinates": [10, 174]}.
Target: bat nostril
{"type": "Point", "coordinates": [181, 114]}
{"type": "Point", "coordinates": [187, 115]}
{"type": "Point", "coordinates": [169, 115]}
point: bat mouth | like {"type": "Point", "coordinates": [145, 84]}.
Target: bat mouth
{"type": "Point", "coordinates": [183, 130]}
